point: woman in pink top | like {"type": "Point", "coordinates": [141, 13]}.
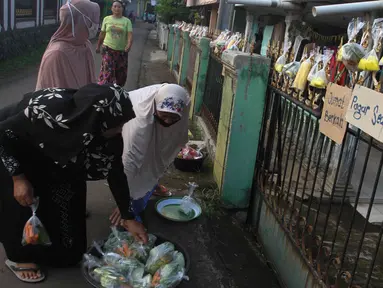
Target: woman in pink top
{"type": "Point", "coordinates": [68, 61]}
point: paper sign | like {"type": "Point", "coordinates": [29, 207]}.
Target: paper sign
{"type": "Point", "coordinates": [365, 111]}
{"type": "Point", "coordinates": [333, 122]}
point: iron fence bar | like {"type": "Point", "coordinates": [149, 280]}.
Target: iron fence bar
{"type": "Point", "coordinates": [288, 152]}
{"type": "Point", "coordinates": [323, 185]}
{"type": "Point", "coordinates": [371, 269]}
{"type": "Point", "coordinates": [279, 141]}
{"type": "Point", "coordinates": [332, 194]}
{"type": "Point", "coordinates": [309, 163]}
{"type": "Point", "coordinates": [307, 128]}
{"type": "Point", "coordinates": [315, 180]}
{"type": "Point", "coordinates": [271, 133]}
{"type": "Point", "coordinates": [273, 142]}
{"type": "Point", "coordinates": [263, 127]}
{"type": "Point", "coordinates": [295, 153]}
{"type": "Point", "coordinates": [375, 188]}
{"type": "Point", "coordinates": [345, 191]}
{"type": "Point", "coordinates": [356, 202]}
{"type": "Point", "coordinates": [291, 106]}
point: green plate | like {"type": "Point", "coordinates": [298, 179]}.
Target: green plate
{"type": "Point", "coordinates": [169, 208]}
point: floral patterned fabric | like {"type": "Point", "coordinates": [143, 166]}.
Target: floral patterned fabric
{"type": "Point", "coordinates": [114, 67]}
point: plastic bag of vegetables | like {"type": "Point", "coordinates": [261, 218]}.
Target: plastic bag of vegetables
{"type": "Point", "coordinates": [169, 276]}
{"type": "Point", "coordinates": [109, 277]}
{"type": "Point", "coordinates": [281, 61]}
{"type": "Point", "coordinates": [145, 282]}
{"type": "Point", "coordinates": [91, 262]}
{"type": "Point", "coordinates": [159, 256]}
{"type": "Point", "coordinates": [304, 70]}
{"type": "Point", "coordinates": [113, 241]}
{"type": "Point", "coordinates": [34, 231]}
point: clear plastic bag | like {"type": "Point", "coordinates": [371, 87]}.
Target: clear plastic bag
{"type": "Point", "coordinates": [159, 256]}
{"type": "Point", "coordinates": [188, 202]}
{"type": "Point", "coordinates": [145, 282]}
{"type": "Point", "coordinates": [301, 78]}
{"type": "Point", "coordinates": [370, 61]}
{"type": "Point", "coordinates": [281, 61]}
{"type": "Point", "coordinates": [109, 277]}
{"type": "Point", "coordinates": [91, 262]}
{"type": "Point", "coordinates": [351, 52]}
{"type": "Point", "coordinates": [34, 232]}
{"type": "Point", "coordinates": [291, 69]}
{"type": "Point", "coordinates": [315, 68]}
{"type": "Point", "coordinates": [169, 276]}
{"type": "Point", "coordinates": [319, 79]}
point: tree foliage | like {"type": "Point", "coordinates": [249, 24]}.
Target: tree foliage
{"type": "Point", "coordinates": [169, 11]}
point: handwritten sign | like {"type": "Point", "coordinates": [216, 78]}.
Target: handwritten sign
{"type": "Point", "coordinates": [365, 111]}
{"type": "Point", "coordinates": [333, 122]}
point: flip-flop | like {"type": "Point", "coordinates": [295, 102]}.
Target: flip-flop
{"type": "Point", "coordinates": [164, 192]}
{"type": "Point", "coordinates": [13, 267]}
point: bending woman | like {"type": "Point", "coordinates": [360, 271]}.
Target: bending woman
{"type": "Point", "coordinates": [153, 139]}
{"type": "Point", "coordinates": [68, 61]}
{"type": "Point", "coordinates": [51, 143]}
{"type": "Point", "coordinates": [116, 38]}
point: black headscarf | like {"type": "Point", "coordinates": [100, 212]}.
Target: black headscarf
{"type": "Point", "coordinates": [62, 122]}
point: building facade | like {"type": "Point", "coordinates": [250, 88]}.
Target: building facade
{"type": "Point", "coordinates": [19, 14]}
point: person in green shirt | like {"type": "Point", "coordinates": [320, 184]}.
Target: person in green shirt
{"type": "Point", "coordinates": [115, 41]}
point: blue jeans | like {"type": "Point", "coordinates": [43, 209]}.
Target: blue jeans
{"type": "Point", "coordinates": [139, 205]}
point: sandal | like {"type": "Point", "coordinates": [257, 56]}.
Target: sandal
{"type": "Point", "coordinates": [13, 267]}
{"type": "Point", "coordinates": [163, 191]}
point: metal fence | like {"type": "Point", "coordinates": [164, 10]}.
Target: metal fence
{"type": "Point", "coordinates": [212, 98]}
{"type": "Point", "coordinates": [326, 196]}
{"type": "Point", "coordinates": [191, 65]}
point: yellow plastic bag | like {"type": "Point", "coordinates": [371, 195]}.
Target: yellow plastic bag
{"type": "Point", "coordinates": [301, 78]}
{"type": "Point", "coordinates": [319, 78]}
{"type": "Point", "coordinates": [369, 62]}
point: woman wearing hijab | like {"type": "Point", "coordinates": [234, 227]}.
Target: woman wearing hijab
{"type": "Point", "coordinates": [51, 143]}
{"type": "Point", "coordinates": [116, 39]}
{"type": "Point", "coordinates": [153, 139]}
{"type": "Point", "coordinates": [68, 61]}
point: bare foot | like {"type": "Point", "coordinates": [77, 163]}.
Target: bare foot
{"type": "Point", "coordinates": [33, 274]}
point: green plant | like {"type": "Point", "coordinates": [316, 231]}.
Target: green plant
{"type": "Point", "coordinates": [170, 10]}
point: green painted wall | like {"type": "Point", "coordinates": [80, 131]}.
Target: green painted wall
{"type": "Point", "coordinates": [267, 33]}
{"type": "Point", "coordinates": [248, 99]}
{"type": "Point", "coordinates": [202, 73]}
{"type": "Point", "coordinates": [170, 45]}
{"type": "Point", "coordinates": [184, 63]}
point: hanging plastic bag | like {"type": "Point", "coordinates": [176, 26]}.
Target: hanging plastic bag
{"type": "Point", "coordinates": [159, 256]}
{"type": "Point", "coordinates": [281, 61]}
{"type": "Point", "coordinates": [169, 276]}
{"type": "Point", "coordinates": [301, 78]}
{"type": "Point", "coordinates": [370, 61]}
{"type": "Point", "coordinates": [291, 69]}
{"type": "Point", "coordinates": [352, 52]}
{"type": "Point", "coordinates": [315, 67]}
{"type": "Point", "coordinates": [34, 231]}
{"type": "Point", "coordinates": [319, 79]}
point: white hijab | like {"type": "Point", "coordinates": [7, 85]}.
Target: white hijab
{"type": "Point", "coordinates": [149, 148]}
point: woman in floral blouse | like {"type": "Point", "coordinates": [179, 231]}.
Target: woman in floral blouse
{"type": "Point", "coordinates": [51, 143]}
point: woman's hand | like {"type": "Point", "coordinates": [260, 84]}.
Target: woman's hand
{"type": "Point", "coordinates": [137, 229]}
{"type": "Point", "coordinates": [127, 48]}
{"type": "Point", "coordinates": [22, 190]}
{"type": "Point", "coordinates": [98, 50]}
{"type": "Point", "coordinates": [115, 218]}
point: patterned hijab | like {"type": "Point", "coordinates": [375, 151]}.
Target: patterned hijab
{"type": "Point", "coordinates": [62, 122]}
{"type": "Point", "coordinates": [149, 148]}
